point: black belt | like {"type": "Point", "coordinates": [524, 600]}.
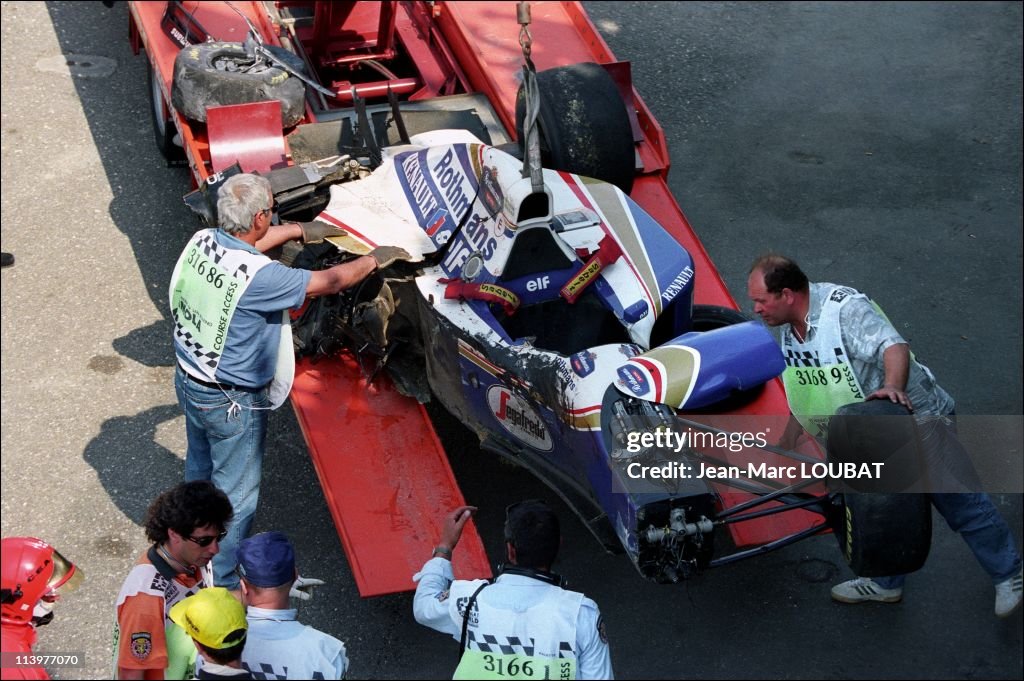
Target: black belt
{"type": "Point", "coordinates": [221, 386]}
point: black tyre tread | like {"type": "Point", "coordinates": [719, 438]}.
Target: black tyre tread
{"type": "Point", "coordinates": [198, 84]}
{"type": "Point", "coordinates": [584, 126]}
{"type": "Point", "coordinates": [884, 534]}
{"type": "Point", "coordinates": [887, 533]}
{"type": "Point", "coordinates": [878, 431]}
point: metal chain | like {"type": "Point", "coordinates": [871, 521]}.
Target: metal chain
{"type": "Point", "coordinates": [523, 17]}
{"type": "Point", "coordinates": [531, 95]}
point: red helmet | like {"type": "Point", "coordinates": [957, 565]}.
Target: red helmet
{"type": "Point", "coordinates": [31, 570]}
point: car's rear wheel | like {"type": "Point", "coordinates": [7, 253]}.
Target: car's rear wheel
{"type": "Point", "coordinates": [584, 127]}
{"type": "Point", "coordinates": [163, 125]}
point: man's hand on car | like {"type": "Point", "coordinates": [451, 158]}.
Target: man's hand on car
{"type": "Point", "coordinates": [316, 232]}
{"type": "Point", "coordinates": [388, 255]}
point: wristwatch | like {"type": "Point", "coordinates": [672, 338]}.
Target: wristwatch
{"type": "Point", "coordinates": [442, 552]}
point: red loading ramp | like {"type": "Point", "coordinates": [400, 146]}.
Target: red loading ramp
{"type": "Point", "coordinates": [385, 476]}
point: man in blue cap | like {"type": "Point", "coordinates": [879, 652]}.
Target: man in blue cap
{"type": "Point", "coordinates": [279, 646]}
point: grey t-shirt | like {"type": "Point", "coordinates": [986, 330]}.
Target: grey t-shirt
{"type": "Point", "coordinates": [866, 336]}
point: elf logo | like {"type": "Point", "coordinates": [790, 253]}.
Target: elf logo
{"type": "Point", "coordinates": [518, 418]}
{"type": "Point", "coordinates": [538, 284]}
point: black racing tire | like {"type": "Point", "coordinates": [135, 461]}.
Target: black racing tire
{"type": "Point", "coordinates": [584, 126]}
{"type": "Point", "coordinates": [877, 432]}
{"type": "Point", "coordinates": [883, 534]}
{"type": "Point", "coordinates": [199, 83]}
{"type": "Point", "coordinates": [164, 130]}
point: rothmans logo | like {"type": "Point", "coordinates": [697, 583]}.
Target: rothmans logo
{"type": "Point", "coordinates": [634, 379]}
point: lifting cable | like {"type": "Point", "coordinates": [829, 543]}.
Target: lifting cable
{"type": "Point", "coordinates": [531, 97]}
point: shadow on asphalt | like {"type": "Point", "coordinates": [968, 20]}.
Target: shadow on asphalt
{"type": "Point", "coordinates": [132, 467]}
{"type": "Point", "coordinates": [130, 464]}
{"type": "Point", "coordinates": [140, 180]}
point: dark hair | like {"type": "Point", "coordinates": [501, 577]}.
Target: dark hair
{"type": "Point", "coordinates": [780, 272]}
{"type": "Point", "coordinates": [533, 530]}
{"type": "Point", "coordinates": [225, 655]}
{"type": "Point", "coordinates": [185, 507]}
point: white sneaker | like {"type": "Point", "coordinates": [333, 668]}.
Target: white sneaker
{"type": "Point", "coordinates": [1008, 594]}
{"type": "Point", "coordinates": [863, 589]}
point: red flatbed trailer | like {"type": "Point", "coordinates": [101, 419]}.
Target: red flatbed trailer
{"type": "Point", "coordinates": [384, 472]}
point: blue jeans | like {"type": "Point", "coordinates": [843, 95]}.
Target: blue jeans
{"type": "Point", "coordinates": [978, 521]}
{"type": "Point", "coordinates": [226, 445]}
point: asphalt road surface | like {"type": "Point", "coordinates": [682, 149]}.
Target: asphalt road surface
{"type": "Point", "coordinates": [879, 144]}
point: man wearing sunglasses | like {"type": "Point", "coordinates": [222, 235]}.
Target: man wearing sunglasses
{"type": "Point", "coordinates": [185, 524]}
{"type": "Point", "coordinates": [232, 337]}
{"type": "Point", "coordinates": [523, 624]}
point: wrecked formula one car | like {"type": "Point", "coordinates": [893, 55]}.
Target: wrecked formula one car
{"type": "Point", "coordinates": [557, 321]}
{"type": "Point", "coordinates": [532, 312]}
{"type": "Point", "coordinates": [555, 301]}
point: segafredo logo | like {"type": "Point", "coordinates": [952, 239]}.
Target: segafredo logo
{"type": "Point", "coordinates": [518, 418]}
